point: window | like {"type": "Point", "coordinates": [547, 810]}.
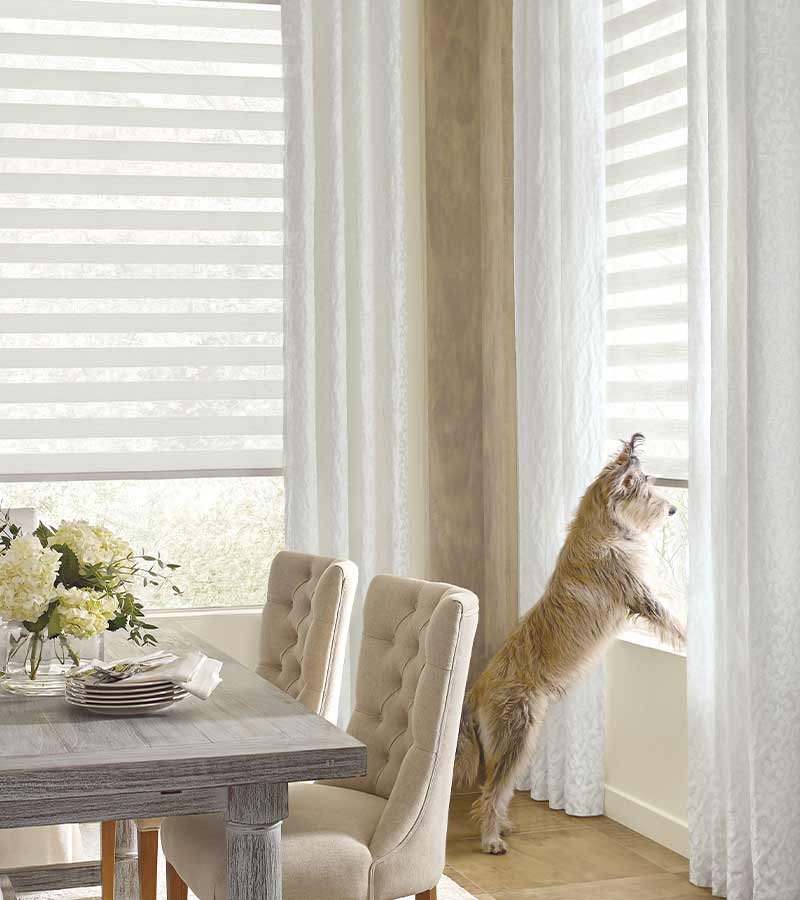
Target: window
{"type": "Point", "coordinates": [646, 116]}
{"type": "Point", "coordinates": [141, 263]}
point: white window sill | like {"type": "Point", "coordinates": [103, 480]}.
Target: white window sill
{"type": "Point", "coordinates": [646, 639]}
{"type": "Point", "coordinates": [210, 611]}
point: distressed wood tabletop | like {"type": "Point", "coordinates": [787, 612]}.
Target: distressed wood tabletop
{"type": "Point", "coordinates": [248, 731]}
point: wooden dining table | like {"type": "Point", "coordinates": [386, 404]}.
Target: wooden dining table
{"type": "Point", "coordinates": [234, 754]}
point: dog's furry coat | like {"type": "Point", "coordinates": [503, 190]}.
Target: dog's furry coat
{"type": "Point", "coordinates": [598, 583]}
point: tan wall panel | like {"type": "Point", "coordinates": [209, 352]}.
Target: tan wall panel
{"type": "Point", "coordinates": [453, 294]}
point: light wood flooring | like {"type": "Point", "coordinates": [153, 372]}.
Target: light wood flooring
{"type": "Point", "coordinates": [553, 856]}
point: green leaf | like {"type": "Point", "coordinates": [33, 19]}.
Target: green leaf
{"type": "Point", "coordinates": [43, 533]}
{"type": "Point", "coordinates": [54, 626]}
{"type": "Point", "coordinates": [70, 572]}
{"type": "Point", "coordinates": [40, 623]}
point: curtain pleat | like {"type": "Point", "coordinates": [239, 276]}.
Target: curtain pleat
{"type": "Point", "coordinates": [344, 266]}
{"type": "Point", "coordinates": [559, 253]}
{"type": "Point", "coordinates": [743, 663]}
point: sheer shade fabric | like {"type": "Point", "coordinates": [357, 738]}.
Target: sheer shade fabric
{"type": "Point", "coordinates": [141, 232]}
{"type": "Point", "coordinates": [646, 117]}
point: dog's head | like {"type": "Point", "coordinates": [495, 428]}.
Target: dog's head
{"type": "Point", "coordinates": [630, 497]}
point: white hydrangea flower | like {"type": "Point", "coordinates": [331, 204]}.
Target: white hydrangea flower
{"type": "Point", "coordinates": [92, 544]}
{"type": "Point", "coordinates": [112, 548]}
{"type": "Point", "coordinates": [27, 574]}
{"type": "Point", "coordinates": [84, 614]}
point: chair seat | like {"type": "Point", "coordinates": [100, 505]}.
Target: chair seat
{"type": "Point", "coordinates": [324, 845]}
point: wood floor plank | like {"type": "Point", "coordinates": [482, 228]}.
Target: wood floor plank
{"type": "Point", "coordinates": [642, 887]}
{"type": "Point", "coordinates": [553, 856]}
{"type": "Point", "coordinates": [546, 858]}
{"type": "Point", "coordinates": [661, 856]}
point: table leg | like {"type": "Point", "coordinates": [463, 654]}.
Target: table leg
{"type": "Point", "coordinates": [126, 868]}
{"type": "Point", "coordinates": [253, 829]}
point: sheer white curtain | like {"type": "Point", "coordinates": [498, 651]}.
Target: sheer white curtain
{"type": "Point", "coordinates": [345, 276]}
{"type": "Point", "coordinates": [744, 277]}
{"type": "Point", "coordinates": [559, 252]}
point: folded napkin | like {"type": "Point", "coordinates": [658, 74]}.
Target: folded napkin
{"type": "Point", "coordinates": [194, 671]}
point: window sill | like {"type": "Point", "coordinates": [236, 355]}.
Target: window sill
{"type": "Point", "coordinates": [185, 611]}
{"type": "Point", "coordinates": [646, 639]}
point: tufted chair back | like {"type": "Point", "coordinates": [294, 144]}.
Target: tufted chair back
{"type": "Point", "coordinates": [304, 627]}
{"type": "Point", "coordinates": [412, 672]}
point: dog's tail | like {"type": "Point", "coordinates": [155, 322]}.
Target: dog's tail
{"type": "Point", "coordinates": [468, 751]}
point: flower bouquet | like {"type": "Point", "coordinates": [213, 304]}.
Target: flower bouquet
{"type": "Point", "coordinates": [61, 587]}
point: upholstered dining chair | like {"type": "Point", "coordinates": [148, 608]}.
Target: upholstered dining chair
{"type": "Point", "coordinates": [304, 629]}
{"type": "Point", "coordinates": [381, 836]}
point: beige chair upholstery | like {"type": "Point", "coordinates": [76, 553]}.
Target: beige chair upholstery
{"type": "Point", "coordinates": [382, 836]}
{"type": "Point", "coordinates": [304, 629]}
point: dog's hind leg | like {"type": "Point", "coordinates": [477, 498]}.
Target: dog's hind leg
{"type": "Point", "coordinates": [510, 735]}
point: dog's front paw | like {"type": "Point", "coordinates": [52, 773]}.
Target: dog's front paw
{"type": "Point", "coordinates": [496, 846]}
{"type": "Point", "coordinates": [507, 828]}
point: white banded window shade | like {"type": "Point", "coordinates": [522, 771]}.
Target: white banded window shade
{"type": "Point", "coordinates": [141, 238]}
{"type": "Point", "coordinates": [645, 96]}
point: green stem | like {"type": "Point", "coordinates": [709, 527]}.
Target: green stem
{"type": "Point", "coordinates": [76, 660]}
{"type": "Point", "coordinates": [36, 654]}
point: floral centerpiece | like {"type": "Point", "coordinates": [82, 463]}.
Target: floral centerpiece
{"type": "Point", "coordinates": [63, 586]}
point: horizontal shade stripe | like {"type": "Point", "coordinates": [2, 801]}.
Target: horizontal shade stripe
{"type": "Point", "coordinates": [141, 426]}
{"type": "Point", "coordinates": [140, 117]}
{"type": "Point", "coordinates": [139, 220]}
{"type": "Point", "coordinates": [646, 203]}
{"type": "Point", "coordinates": [647, 392]}
{"type": "Point", "coordinates": [655, 429]}
{"type": "Point", "coordinates": [142, 323]}
{"type": "Point", "coordinates": [666, 467]}
{"type": "Point", "coordinates": [133, 254]}
{"type": "Point", "coordinates": [138, 83]}
{"type": "Point", "coordinates": [163, 461]}
{"type": "Point", "coordinates": [141, 185]}
{"type": "Point", "coordinates": [642, 166]}
{"type": "Point", "coordinates": [649, 127]}
{"type": "Point", "coordinates": [636, 279]}
{"type": "Point", "coordinates": [643, 54]}
{"type": "Point", "coordinates": [642, 241]}
{"type": "Point", "coordinates": [619, 26]}
{"type": "Point", "coordinates": [151, 151]}
{"type": "Point", "coordinates": [142, 288]}
{"type": "Point", "coordinates": [263, 18]}
{"type": "Point", "coordinates": [647, 354]}
{"type": "Point", "coordinates": [139, 391]}
{"type": "Point", "coordinates": [138, 48]}
{"type": "Point", "coordinates": [113, 357]}
{"type": "Point", "coordinates": [647, 89]}
{"type": "Point", "coordinates": [643, 316]}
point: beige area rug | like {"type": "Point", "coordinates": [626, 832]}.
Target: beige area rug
{"type": "Point", "coordinates": [446, 890]}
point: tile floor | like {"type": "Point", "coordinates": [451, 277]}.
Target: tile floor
{"type": "Point", "coordinates": [553, 856]}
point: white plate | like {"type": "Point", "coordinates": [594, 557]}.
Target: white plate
{"type": "Point", "coordinates": [124, 701]}
{"type": "Point", "coordinates": [146, 701]}
{"type": "Point", "coordinates": [128, 694]}
{"type": "Point", "coordinates": [121, 687]}
{"type": "Point", "coordinates": [132, 710]}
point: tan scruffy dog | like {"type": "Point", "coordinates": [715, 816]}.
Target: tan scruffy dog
{"type": "Point", "coordinates": [599, 582]}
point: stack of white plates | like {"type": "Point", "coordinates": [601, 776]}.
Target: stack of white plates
{"type": "Point", "coordinates": [119, 698]}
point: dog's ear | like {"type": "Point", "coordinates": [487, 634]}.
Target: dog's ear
{"type": "Point", "coordinates": [627, 455]}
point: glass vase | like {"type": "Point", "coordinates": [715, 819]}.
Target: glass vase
{"type": "Point", "coordinates": [36, 666]}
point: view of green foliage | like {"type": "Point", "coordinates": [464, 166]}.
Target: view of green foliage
{"type": "Point", "coordinates": [223, 532]}
{"type": "Point", "coordinates": [672, 549]}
